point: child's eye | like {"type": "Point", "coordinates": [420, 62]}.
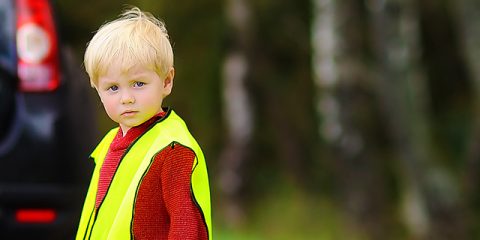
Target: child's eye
{"type": "Point", "coordinates": [113, 88]}
{"type": "Point", "coordinates": [138, 84]}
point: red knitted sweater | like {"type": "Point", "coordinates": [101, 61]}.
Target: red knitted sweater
{"type": "Point", "coordinates": [164, 208]}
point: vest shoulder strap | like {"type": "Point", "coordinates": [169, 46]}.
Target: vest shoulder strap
{"type": "Point", "coordinates": [101, 150]}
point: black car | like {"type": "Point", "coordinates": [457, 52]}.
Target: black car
{"type": "Point", "coordinates": [46, 126]}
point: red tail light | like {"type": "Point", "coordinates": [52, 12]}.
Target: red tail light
{"type": "Point", "coordinates": [38, 63]}
{"type": "Point", "coordinates": [35, 215]}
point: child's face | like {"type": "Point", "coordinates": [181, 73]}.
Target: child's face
{"type": "Point", "coordinates": [132, 97]}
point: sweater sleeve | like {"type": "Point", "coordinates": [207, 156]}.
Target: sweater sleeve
{"type": "Point", "coordinates": [186, 221]}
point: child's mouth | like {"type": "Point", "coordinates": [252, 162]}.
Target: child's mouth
{"type": "Point", "coordinates": [129, 113]}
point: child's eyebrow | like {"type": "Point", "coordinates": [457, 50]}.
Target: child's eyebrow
{"type": "Point", "coordinates": [107, 82]}
{"type": "Point", "coordinates": [137, 76]}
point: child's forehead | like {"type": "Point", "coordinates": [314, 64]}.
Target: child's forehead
{"type": "Point", "coordinates": [130, 67]}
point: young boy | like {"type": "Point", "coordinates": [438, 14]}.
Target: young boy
{"type": "Point", "coordinates": [150, 179]}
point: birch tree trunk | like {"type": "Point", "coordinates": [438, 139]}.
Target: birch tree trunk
{"type": "Point", "coordinates": [349, 116]}
{"type": "Point", "coordinates": [237, 111]}
{"type": "Point", "coordinates": [431, 203]}
{"type": "Point", "coordinates": [397, 76]}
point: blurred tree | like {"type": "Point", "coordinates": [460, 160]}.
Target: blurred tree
{"type": "Point", "coordinates": [450, 114]}
{"type": "Point", "coordinates": [237, 110]}
{"type": "Point", "coordinates": [398, 81]}
{"type": "Point", "coordinates": [449, 81]}
{"type": "Point", "coordinates": [351, 121]}
{"type": "Point", "coordinates": [280, 84]}
{"type": "Point", "coordinates": [396, 33]}
{"type": "Point", "coordinates": [469, 12]}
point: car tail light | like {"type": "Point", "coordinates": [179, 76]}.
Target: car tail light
{"type": "Point", "coordinates": [38, 63]}
{"type": "Point", "coordinates": [35, 215]}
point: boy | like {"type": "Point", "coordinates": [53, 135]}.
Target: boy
{"type": "Point", "coordinates": [150, 179]}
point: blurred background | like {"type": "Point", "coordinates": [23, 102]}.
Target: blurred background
{"type": "Point", "coordinates": [323, 119]}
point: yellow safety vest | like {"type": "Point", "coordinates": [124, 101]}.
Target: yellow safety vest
{"type": "Point", "coordinates": [113, 219]}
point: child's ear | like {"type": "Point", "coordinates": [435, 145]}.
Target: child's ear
{"type": "Point", "coordinates": [168, 81]}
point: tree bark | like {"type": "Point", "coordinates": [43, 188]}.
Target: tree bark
{"type": "Point", "coordinates": [428, 187]}
{"type": "Point", "coordinates": [237, 112]}
{"type": "Point", "coordinates": [350, 118]}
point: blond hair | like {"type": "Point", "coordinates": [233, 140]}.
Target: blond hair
{"type": "Point", "coordinates": [136, 37]}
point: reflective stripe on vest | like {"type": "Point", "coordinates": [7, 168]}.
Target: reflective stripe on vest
{"type": "Point", "coordinates": [113, 219]}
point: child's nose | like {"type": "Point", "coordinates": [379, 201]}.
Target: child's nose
{"type": "Point", "coordinates": [127, 97]}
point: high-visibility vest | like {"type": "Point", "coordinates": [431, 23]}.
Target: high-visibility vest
{"type": "Point", "coordinates": [113, 219]}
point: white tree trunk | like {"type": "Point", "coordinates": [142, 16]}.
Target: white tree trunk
{"type": "Point", "coordinates": [237, 112]}
{"type": "Point", "coordinates": [325, 72]}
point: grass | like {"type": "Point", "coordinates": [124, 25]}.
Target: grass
{"type": "Point", "coordinates": [291, 214]}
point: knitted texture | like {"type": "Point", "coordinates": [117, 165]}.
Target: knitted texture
{"type": "Point", "coordinates": [164, 208]}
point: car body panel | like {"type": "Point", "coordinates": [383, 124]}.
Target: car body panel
{"type": "Point", "coordinates": [45, 140]}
